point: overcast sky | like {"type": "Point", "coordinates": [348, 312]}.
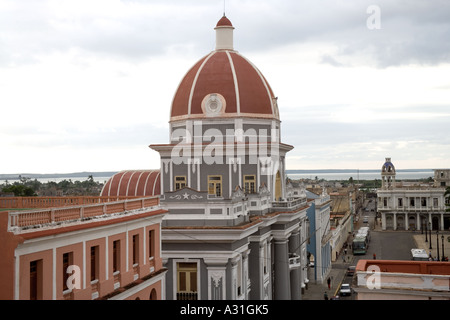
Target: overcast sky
{"type": "Point", "coordinates": [88, 85]}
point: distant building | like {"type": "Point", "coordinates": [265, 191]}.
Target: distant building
{"type": "Point", "coordinates": [105, 250]}
{"type": "Point", "coordinates": [402, 280]}
{"type": "Point", "coordinates": [412, 207]}
{"type": "Point", "coordinates": [320, 234]}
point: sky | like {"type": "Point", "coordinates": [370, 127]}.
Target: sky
{"type": "Point", "coordinates": [87, 85]}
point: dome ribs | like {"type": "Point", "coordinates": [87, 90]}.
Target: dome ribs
{"type": "Point", "coordinates": [216, 76]}
{"type": "Point", "coordinates": [255, 93]}
{"type": "Point", "coordinates": [180, 104]}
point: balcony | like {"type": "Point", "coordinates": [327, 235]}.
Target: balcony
{"type": "Point", "coordinates": [187, 296]}
{"type": "Point", "coordinates": [28, 220]}
{"type": "Point", "coordinates": [294, 261]}
{"type": "Point", "coordinates": [417, 209]}
{"type": "Point", "coordinates": [289, 205]}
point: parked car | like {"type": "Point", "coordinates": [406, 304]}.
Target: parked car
{"type": "Point", "coordinates": [345, 290]}
{"type": "Point", "coordinates": [351, 270]}
{"type": "Point", "coordinates": [366, 219]}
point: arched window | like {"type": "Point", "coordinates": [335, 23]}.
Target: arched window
{"type": "Point", "coordinates": [153, 295]}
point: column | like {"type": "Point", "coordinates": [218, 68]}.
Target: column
{"type": "Point", "coordinates": [281, 269]}
{"type": "Point", "coordinates": [383, 221]}
{"type": "Point", "coordinates": [294, 247]}
{"type": "Point", "coordinates": [430, 225]}
{"type": "Point", "coordinates": [395, 221]}
{"type": "Point", "coordinates": [418, 224]}
{"type": "Point", "coordinates": [246, 280]}
{"type": "Point", "coordinates": [442, 222]}
{"type": "Point", "coordinates": [216, 277]}
{"type": "Point", "coordinates": [216, 283]}
{"type": "Point", "coordinates": [406, 221]}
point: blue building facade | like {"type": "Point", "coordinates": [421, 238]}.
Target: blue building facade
{"type": "Point", "coordinates": [320, 234]}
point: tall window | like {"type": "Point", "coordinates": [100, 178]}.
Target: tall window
{"type": "Point", "coordinates": [67, 261]}
{"type": "Point", "coordinates": [215, 185]}
{"type": "Point", "coordinates": [151, 243]}
{"type": "Point", "coordinates": [187, 281]}
{"type": "Point", "coordinates": [136, 249]}
{"type": "Point", "coordinates": [400, 202]}
{"type": "Point", "coordinates": [36, 280]}
{"type": "Point", "coordinates": [239, 277]}
{"type": "Point", "coordinates": [180, 182]}
{"type": "Point", "coordinates": [94, 262]}
{"type": "Point", "coordinates": [250, 184]}
{"type": "Point", "coordinates": [423, 202]}
{"type": "Point", "coordinates": [116, 255]}
{"type": "Point", "coordinates": [266, 257]}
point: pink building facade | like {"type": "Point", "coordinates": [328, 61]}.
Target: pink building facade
{"type": "Point", "coordinates": [101, 251]}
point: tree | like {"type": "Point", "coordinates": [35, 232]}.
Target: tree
{"type": "Point", "coordinates": [447, 199]}
{"type": "Point", "coordinates": [19, 190]}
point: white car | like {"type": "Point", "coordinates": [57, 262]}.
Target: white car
{"type": "Point", "coordinates": [345, 290]}
{"type": "Point", "coordinates": [366, 219]}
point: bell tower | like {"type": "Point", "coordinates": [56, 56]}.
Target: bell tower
{"type": "Point", "coordinates": [388, 175]}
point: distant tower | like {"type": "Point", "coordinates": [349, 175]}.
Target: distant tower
{"type": "Point", "coordinates": [387, 175]}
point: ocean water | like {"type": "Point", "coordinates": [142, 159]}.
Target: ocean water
{"type": "Point", "coordinates": [297, 174]}
{"type": "Point", "coordinates": [361, 175]}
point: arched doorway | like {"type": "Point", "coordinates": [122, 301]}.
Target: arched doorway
{"type": "Point", "coordinates": [278, 186]}
{"type": "Point", "coordinates": [153, 295]}
{"type": "Point", "coordinates": [412, 223]}
{"type": "Point", "coordinates": [435, 223]}
{"type": "Point", "coordinates": [389, 222]}
{"type": "Point", "coordinates": [400, 223]}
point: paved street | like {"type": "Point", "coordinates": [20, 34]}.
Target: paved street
{"type": "Point", "coordinates": [387, 245]}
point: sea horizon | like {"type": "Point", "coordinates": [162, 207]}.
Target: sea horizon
{"type": "Point", "coordinates": [326, 174]}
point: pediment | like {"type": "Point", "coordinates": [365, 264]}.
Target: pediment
{"type": "Point", "coordinates": [186, 194]}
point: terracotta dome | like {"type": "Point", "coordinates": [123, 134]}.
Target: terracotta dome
{"type": "Point", "coordinates": [138, 183]}
{"type": "Point", "coordinates": [224, 84]}
{"type": "Point", "coordinates": [224, 22]}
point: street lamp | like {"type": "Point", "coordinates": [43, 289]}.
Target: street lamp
{"type": "Point", "coordinates": [429, 227]}
{"type": "Point", "coordinates": [443, 256]}
{"type": "Point", "coordinates": [437, 244]}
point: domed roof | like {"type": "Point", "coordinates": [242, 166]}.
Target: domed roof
{"type": "Point", "coordinates": [388, 167]}
{"type": "Point", "coordinates": [224, 84]}
{"type": "Point", "coordinates": [224, 21]}
{"type": "Point", "coordinates": [139, 183]}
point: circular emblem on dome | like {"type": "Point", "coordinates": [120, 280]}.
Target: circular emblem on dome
{"type": "Point", "coordinates": [213, 104]}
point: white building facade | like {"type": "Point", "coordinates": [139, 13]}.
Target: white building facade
{"type": "Point", "coordinates": [413, 207]}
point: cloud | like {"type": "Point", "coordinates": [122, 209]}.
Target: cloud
{"type": "Point", "coordinates": [411, 31]}
{"type": "Point", "coordinates": [98, 76]}
{"type": "Point", "coordinates": [327, 59]}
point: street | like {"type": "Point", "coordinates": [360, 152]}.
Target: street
{"type": "Point", "coordinates": [386, 245]}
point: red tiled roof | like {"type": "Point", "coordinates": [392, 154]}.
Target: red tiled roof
{"type": "Point", "coordinates": [231, 75]}
{"type": "Point", "coordinates": [224, 22]}
{"type": "Point", "coordinates": [137, 183]}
